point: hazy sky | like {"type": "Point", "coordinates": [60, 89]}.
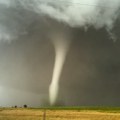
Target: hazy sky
{"type": "Point", "coordinates": [91, 72]}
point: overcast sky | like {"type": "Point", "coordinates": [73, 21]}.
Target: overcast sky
{"type": "Point", "coordinates": [91, 72]}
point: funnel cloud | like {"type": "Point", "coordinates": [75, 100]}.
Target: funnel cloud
{"type": "Point", "coordinates": [61, 48]}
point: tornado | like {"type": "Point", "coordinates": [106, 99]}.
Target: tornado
{"type": "Point", "coordinates": [61, 46]}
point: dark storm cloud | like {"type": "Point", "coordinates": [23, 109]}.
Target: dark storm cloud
{"type": "Point", "coordinates": [91, 72]}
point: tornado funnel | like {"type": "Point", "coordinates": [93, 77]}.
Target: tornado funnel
{"type": "Point", "coordinates": [61, 46]}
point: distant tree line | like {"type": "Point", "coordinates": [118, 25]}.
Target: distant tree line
{"type": "Point", "coordinates": [24, 106]}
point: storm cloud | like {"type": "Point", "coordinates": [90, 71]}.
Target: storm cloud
{"type": "Point", "coordinates": [90, 73]}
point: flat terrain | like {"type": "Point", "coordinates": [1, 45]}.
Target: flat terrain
{"type": "Point", "coordinates": [59, 114]}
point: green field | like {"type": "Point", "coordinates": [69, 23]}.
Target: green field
{"type": "Point", "coordinates": [61, 113]}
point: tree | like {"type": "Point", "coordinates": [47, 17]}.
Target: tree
{"type": "Point", "coordinates": [15, 106]}
{"type": "Point", "coordinates": [25, 106]}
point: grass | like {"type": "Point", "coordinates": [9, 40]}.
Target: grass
{"type": "Point", "coordinates": [61, 113]}
{"type": "Point", "coordinates": [97, 108]}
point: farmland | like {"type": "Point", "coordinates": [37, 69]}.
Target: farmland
{"type": "Point", "coordinates": [60, 114]}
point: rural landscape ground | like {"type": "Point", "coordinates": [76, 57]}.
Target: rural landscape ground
{"type": "Point", "coordinates": [60, 114]}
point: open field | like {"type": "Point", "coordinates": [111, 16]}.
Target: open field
{"type": "Point", "coordinates": [60, 114]}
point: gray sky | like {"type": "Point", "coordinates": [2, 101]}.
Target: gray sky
{"type": "Point", "coordinates": [91, 73]}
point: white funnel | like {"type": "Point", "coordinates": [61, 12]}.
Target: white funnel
{"type": "Point", "coordinates": [61, 48]}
